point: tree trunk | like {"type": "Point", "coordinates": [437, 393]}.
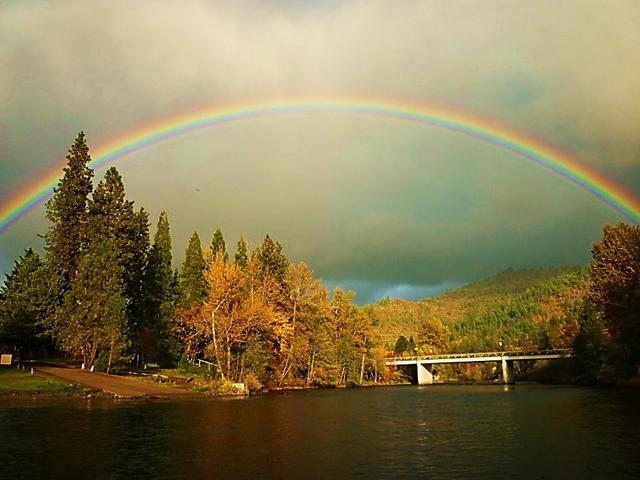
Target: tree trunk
{"type": "Point", "coordinates": [287, 362]}
{"type": "Point", "coordinates": [215, 341]}
{"type": "Point", "coordinates": [362, 368]}
{"type": "Point", "coordinates": [93, 355]}
{"type": "Point", "coordinates": [228, 355]}
{"type": "Point", "coordinates": [111, 347]}
{"type": "Point", "coordinates": [311, 367]}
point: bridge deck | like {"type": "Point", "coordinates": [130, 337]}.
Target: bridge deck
{"type": "Point", "coordinates": [481, 357]}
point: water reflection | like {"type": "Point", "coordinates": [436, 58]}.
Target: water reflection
{"type": "Point", "coordinates": [398, 432]}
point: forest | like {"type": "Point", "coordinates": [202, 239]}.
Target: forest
{"type": "Point", "coordinates": [106, 294]}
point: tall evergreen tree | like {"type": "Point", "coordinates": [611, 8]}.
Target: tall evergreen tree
{"type": "Point", "coordinates": [159, 292]}
{"type": "Point", "coordinates": [94, 307]}
{"type": "Point", "coordinates": [272, 261]}
{"type": "Point", "coordinates": [112, 216]}
{"type": "Point", "coordinates": [67, 211]}
{"type": "Point", "coordinates": [193, 288]}
{"type": "Point", "coordinates": [218, 244]}
{"type": "Point", "coordinates": [24, 306]}
{"type": "Point", "coordinates": [242, 253]}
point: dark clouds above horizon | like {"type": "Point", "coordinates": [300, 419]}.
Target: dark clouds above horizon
{"type": "Point", "coordinates": [372, 204]}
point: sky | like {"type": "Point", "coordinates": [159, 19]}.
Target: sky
{"type": "Point", "coordinates": [377, 205]}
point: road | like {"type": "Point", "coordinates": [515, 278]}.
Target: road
{"type": "Point", "coordinates": [122, 387]}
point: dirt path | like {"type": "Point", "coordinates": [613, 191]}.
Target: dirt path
{"type": "Point", "coordinates": [123, 387]}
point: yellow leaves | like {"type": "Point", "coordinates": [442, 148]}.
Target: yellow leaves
{"type": "Point", "coordinates": [433, 336]}
{"type": "Point", "coordinates": [225, 280]}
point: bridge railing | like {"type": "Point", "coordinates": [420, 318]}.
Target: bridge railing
{"type": "Point", "coordinates": [505, 353]}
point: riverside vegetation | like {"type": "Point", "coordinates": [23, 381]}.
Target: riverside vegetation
{"type": "Point", "coordinates": [105, 294]}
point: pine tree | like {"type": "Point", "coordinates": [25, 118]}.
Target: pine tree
{"type": "Point", "coordinates": [272, 261]}
{"type": "Point", "coordinates": [94, 307]}
{"type": "Point", "coordinates": [112, 216]}
{"type": "Point", "coordinates": [159, 291]}
{"type": "Point", "coordinates": [24, 306]}
{"type": "Point", "coordinates": [242, 253]}
{"type": "Point", "coordinates": [67, 210]}
{"type": "Point", "coordinates": [193, 288]}
{"type": "Point", "coordinates": [218, 244]}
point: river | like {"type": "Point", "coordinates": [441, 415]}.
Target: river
{"type": "Point", "coordinates": [523, 431]}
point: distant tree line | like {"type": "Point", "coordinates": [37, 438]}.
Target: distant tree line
{"type": "Point", "coordinates": [595, 311]}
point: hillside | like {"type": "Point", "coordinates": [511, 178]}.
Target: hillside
{"type": "Point", "coordinates": [521, 307]}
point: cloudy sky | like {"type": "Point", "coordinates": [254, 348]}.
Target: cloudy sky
{"type": "Point", "coordinates": [377, 205]}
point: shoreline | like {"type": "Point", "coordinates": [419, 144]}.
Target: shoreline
{"type": "Point", "coordinates": [53, 389]}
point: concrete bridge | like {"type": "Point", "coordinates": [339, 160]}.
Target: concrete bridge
{"type": "Point", "coordinates": [424, 364]}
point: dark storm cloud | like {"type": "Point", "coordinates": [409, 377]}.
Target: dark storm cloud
{"type": "Point", "coordinates": [371, 203]}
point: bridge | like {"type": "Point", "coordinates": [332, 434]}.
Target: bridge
{"type": "Point", "coordinates": [424, 364]}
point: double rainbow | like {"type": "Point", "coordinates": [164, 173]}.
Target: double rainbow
{"type": "Point", "coordinates": [523, 146]}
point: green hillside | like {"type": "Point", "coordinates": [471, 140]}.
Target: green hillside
{"type": "Point", "coordinates": [523, 308]}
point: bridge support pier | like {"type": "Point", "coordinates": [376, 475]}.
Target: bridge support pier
{"type": "Point", "coordinates": [425, 375]}
{"type": "Point", "coordinates": [507, 371]}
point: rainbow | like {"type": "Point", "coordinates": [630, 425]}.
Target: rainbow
{"type": "Point", "coordinates": [31, 195]}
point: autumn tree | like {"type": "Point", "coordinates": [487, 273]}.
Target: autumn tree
{"type": "Point", "coordinates": [352, 329]}
{"type": "Point", "coordinates": [614, 281]}
{"type": "Point", "coordinates": [608, 343]}
{"type": "Point", "coordinates": [307, 300]}
{"type": "Point", "coordinates": [433, 336]}
{"type": "Point", "coordinates": [221, 316]}
{"type": "Point", "coordinates": [67, 211]}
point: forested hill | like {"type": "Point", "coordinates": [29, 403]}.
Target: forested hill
{"type": "Point", "coordinates": [521, 307]}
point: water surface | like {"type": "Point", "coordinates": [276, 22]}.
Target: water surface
{"type": "Point", "coordinates": [526, 431]}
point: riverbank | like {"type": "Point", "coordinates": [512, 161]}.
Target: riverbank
{"type": "Point", "coordinates": [22, 384]}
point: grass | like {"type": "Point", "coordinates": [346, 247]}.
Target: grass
{"type": "Point", "coordinates": [17, 382]}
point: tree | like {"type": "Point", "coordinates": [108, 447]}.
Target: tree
{"type": "Point", "coordinates": [402, 345]}
{"type": "Point", "coordinates": [610, 335]}
{"type": "Point", "coordinates": [222, 307]}
{"type": "Point", "coordinates": [307, 299]}
{"type": "Point", "coordinates": [67, 211]}
{"type": "Point", "coordinates": [218, 244]}
{"type": "Point", "coordinates": [352, 327]}
{"type": "Point", "coordinates": [242, 253]}
{"type": "Point", "coordinates": [614, 279]}
{"type": "Point", "coordinates": [94, 307]}
{"type": "Point", "coordinates": [193, 288]}
{"type": "Point", "coordinates": [25, 304]}
{"type": "Point", "coordinates": [272, 261]}
{"type": "Point", "coordinates": [110, 215]}
{"type": "Point", "coordinates": [159, 294]}
{"type": "Point", "coordinates": [433, 336]}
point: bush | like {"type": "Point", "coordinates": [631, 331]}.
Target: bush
{"type": "Point", "coordinates": [252, 383]}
